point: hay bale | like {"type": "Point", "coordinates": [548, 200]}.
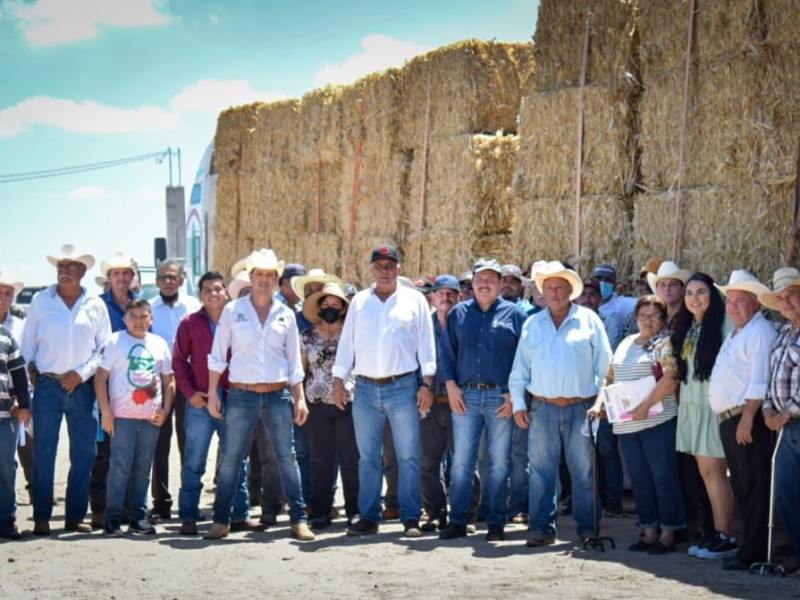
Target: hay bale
{"type": "Point", "coordinates": [558, 43]}
{"type": "Point", "coordinates": [319, 124]}
{"type": "Point", "coordinates": [474, 88]}
{"type": "Point", "coordinates": [548, 142]}
{"type": "Point", "coordinates": [724, 228]}
{"type": "Point", "coordinates": [780, 22]}
{"type": "Point", "coordinates": [370, 111]}
{"type": "Point", "coordinates": [323, 250]}
{"type": "Point", "coordinates": [497, 245]}
{"type": "Point", "coordinates": [377, 203]}
{"type": "Point", "coordinates": [436, 251]}
{"type": "Point", "coordinates": [543, 229]}
{"type": "Point", "coordinates": [778, 116]}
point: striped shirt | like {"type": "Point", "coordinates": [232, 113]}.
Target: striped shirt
{"type": "Point", "coordinates": [10, 361]}
{"type": "Point", "coordinates": [634, 361]}
{"type": "Point", "coordinates": [783, 391]}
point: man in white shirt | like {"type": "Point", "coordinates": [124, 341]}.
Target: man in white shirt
{"type": "Point", "coordinates": [169, 307]}
{"type": "Point", "coordinates": [387, 338]}
{"type": "Point", "coordinates": [736, 392]}
{"type": "Point", "coordinates": [266, 382]}
{"type": "Point", "coordinates": [63, 336]}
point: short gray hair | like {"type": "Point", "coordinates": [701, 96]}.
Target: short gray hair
{"type": "Point", "coordinates": [171, 262]}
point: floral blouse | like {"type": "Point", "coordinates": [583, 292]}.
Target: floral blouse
{"type": "Point", "coordinates": [321, 355]}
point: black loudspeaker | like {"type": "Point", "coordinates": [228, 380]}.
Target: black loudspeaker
{"type": "Point", "coordinates": [159, 250]}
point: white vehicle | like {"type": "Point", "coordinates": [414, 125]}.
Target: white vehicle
{"type": "Point", "coordinates": [199, 219]}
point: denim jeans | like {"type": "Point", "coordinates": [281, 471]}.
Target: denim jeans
{"type": "Point", "coordinates": [242, 410]}
{"type": "Point", "coordinates": [8, 470]}
{"type": "Point", "coordinates": [199, 428]}
{"type": "Point", "coordinates": [519, 474]}
{"type": "Point", "coordinates": [467, 428]}
{"type": "Point", "coordinates": [133, 446]}
{"type": "Point", "coordinates": [50, 403]}
{"type": "Point", "coordinates": [653, 469]}
{"type": "Point", "coordinates": [610, 459]}
{"type": "Point", "coordinates": [787, 483]}
{"type": "Point", "coordinates": [551, 428]}
{"type": "Point", "coordinates": [302, 450]}
{"type": "Point", "coordinates": [373, 404]}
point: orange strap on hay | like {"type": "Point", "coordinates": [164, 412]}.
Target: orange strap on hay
{"type": "Point", "coordinates": [239, 190]}
{"type": "Point", "coordinates": [423, 187]}
{"type": "Point", "coordinates": [319, 193]}
{"type": "Point", "coordinates": [682, 147]}
{"type": "Point", "coordinates": [576, 243]}
{"type": "Point", "coordinates": [362, 102]}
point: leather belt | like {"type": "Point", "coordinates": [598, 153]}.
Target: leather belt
{"type": "Point", "coordinates": [482, 386]}
{"type": "Point", "coordinates": [53, 375]}
{"type": "Point", "coordinates": [729, 414]}
{"type": "Point", "coordinates": [441, 400]}
{"type": "Point", "coordinates": [562, 402]}
{"type": "Point", "coordinates": [259, 388]}
{"type": "Point", "coordinates": [385, 380]}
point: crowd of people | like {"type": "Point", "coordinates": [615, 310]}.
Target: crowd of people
{"type": "Point", "coordinates": [473, 398]}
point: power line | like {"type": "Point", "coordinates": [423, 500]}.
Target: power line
{"type": "Point", "coordinates": [12, 177]}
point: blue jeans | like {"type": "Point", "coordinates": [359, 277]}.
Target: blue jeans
{"type": "Point", "coordinates": [551, 428]}
{"type": "Point", "coordinates": [373, 404]}
{"type": "Point", "coordinates": [787, 483]}
{"type": "Point", "coordinates": [242, 410]}
{"type": "Point", "coordinates": [8, 470]}
{"type": "Point", "coordinates": [50, 403]}
{"type": "Point", "coordinates": [519, 475]}
{"type": "Point", "coordinates": [199, 428]}
{"type": "Point", "coordinates": [133, 446]}
{"type": "Point", "coordinates": [467, 428]}
{"type": "Point", "coordinates": [653, 469]}
{"type": "Point", "coordinates": [608, 448]}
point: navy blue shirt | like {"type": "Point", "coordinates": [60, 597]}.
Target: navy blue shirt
{"type": "Point", "coordinates": [438, 382]}
{"type": "Point", "coordinates": [116, 315]}
{"type": "Point", "coordinates": [479, 346]}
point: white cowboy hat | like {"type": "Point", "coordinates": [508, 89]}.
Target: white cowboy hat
{"type": "Point", "coordinates": [743, 281]}
{"type": "Point", "coordinates": [240, 265]}
{"type": "Point", "coordinates": [101, 281]}
{"type": "Point", "coordinates": [668, 270]}
{"type": "Point", "coordinates": [118, 260]}
{"type": "Point", "coordinates": [784, 278]}
{"type": "Point", "coordinates": [299, 282]}
{"type": "Point", "coordinates": [311, 305]}
{"type": "Point", "coordinates": [237, 284]}
{"type": "Point", "coordinates": [6, 281]}
{"type": "Point", "coordinates": [71, 253]}
{"type": "Point", "coordinates": [264, 259]}
{"type": "Point", "coordinates": [544, 270]}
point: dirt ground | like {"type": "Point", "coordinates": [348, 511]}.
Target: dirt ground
{"type": "Point", "coordinates": [270, 564]}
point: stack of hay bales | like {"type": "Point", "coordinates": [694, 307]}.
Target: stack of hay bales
{"type": "Point", "coordinates": [742, 131]}
{"type": "Point", "coordinates": [545, 183]}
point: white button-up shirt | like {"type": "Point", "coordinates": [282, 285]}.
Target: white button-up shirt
{"type": "Point", "coordinates": [268, 353]}
{"type": "Point", "coordinates": [381, 339]}
{"type": "Point", "coordinates": [166, 318]}
{"type": "Point", "coordinates": [741, 371]}
{"type": "Point", "coordinates": [60, 339]}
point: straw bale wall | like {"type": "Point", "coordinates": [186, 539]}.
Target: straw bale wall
{"type": "Point", "coordinates": [724, 228]}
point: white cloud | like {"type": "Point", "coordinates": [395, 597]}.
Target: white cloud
{"type": "Point", "coordinates": [215, 95]}
{"type": "Point", "coordinates": [92, 192]}
{"type": "Point", "coordinates": [149, 194]}
{"type": "Point", "coordinates": [378, 52]}
{"type": "Point", "coordinates": [55, 22]}
{"type": "Point", "coordinates": [84, 117]}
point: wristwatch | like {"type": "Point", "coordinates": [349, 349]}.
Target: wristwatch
{"type": "Point", "coordinates": [425, 384]}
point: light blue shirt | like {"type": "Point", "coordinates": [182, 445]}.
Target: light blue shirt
{"type": "Point", "coordinates": [570, 361]}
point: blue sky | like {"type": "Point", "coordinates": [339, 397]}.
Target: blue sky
{"type": "Point", "coordinates": [87, 81]}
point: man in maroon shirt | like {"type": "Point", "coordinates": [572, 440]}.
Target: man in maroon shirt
{"type": "Point", "coordinates": [190, 364]}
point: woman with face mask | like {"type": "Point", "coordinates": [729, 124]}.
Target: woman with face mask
{"type": "Point", "coordinates": [330, 430]}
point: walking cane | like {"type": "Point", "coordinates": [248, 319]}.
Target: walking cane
{"type": "Point", "coordinates": [769, 567]}
{"type": "Point", "coordinates": [596, 541]}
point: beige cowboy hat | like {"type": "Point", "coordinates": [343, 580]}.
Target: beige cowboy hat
{"type": "Point", "coordinates": [101, 281]}
{"type": "Point", "coordinates": [784, 278]}
{"type": "Point", "coordinates": [668, 270]}
{"type": "Point", "coordinates": [299, 282]}
{"type": "Point", "coordinates": [237, 284]}
{"type": "Point", "coordinates": [652, 265]}
{"type": "Point", "coordinates": [240, 265]}
{"type": "Point", "coordinates": [70, 252]}
{"type": "Point", "coordinates": [5, 280]}
{"type": "Point", "coordinates": [311, 305]}
{"type": "Point", "coordinates": [543, 270]}
{"type": "Point", "coordinates": [264, 259]}
{"type": "Point", "coordinates": [743, 281]}
{"type": "Point", "coordinates": [119, 260]}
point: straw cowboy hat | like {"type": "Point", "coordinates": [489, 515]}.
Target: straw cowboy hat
{"type": "Point", "coordinates": [652, 265]}
{"type": "Point", "coordinates": [784, 278]}
{"type": "Point", "coordinates": [311, 305]}
{"type": "Point", "coordinates": [313, 276]}
{"type": "Point", "coordinates": [70, 252]}
{"type": "Point", "coordinates": [101, 281]}
{"type": "Point", "coordinates": [240, 265]}
{"type": "Point", "coordinates": [543, 270]}
{"type": "Point", "coordinates": [264, 259]}
{"type": "Point", "coordinates": [237, 284]}
{"type": "Point", "coordinates": [668, 270]}
{"type": "Point", "coordinates": [118, 260]}
{"type": "Point", "coordinates": [5, 280]}
{"type": "Point", "coordinates": [743, 281]}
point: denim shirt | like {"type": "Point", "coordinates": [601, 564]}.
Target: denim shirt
{"type": "Point", "coordinates": [439, 333]}
{"type": "Point", "coordinates": [479, 346]}
{"type": "Point", "coordinates": [116, 314]}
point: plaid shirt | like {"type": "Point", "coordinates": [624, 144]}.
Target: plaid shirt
{"type": "Point", "coordinates": [783, 391]}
